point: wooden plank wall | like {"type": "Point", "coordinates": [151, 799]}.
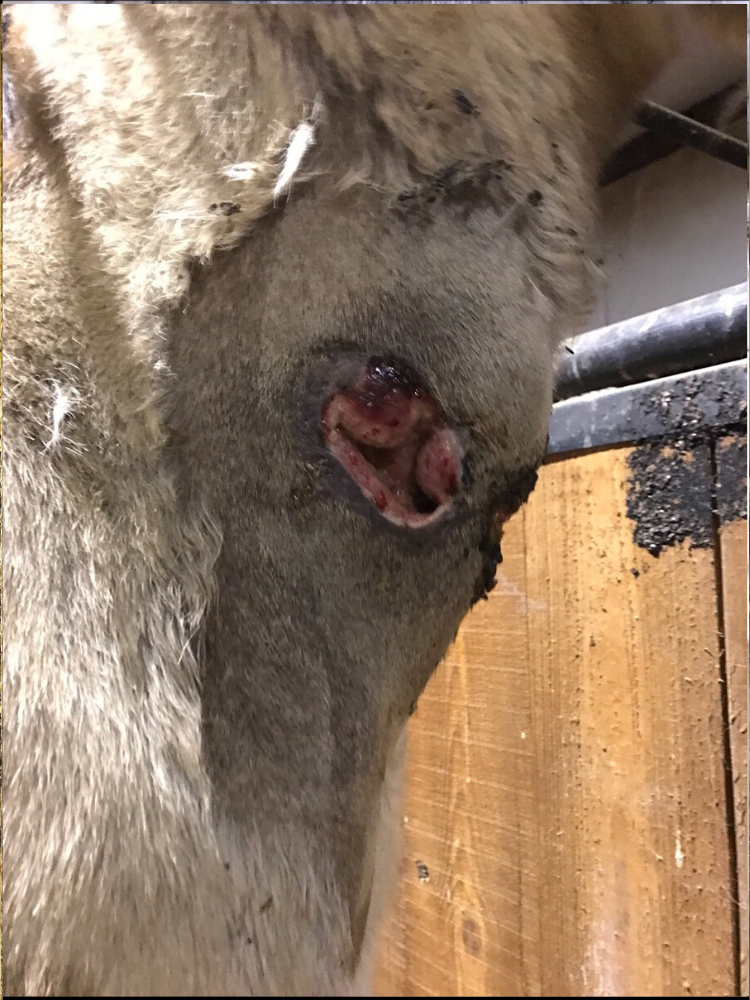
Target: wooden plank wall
{"type": "Point", "coordinates": [731, 472]}
{"type": "Point", "coordinates": [567, 827]}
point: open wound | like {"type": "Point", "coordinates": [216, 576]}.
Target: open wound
{"type": "Point", "coordinates": [386, 432]}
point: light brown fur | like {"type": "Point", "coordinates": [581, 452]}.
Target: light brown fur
{"type": "Point", "coordinates": [133, 864]}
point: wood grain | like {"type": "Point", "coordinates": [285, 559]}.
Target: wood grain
{"type": "Point", "coordinates": [733, 541]}
{"type": "Point", "coordinates": [565, 792]}
{"type": "Point", "coordinates": [467, 914]}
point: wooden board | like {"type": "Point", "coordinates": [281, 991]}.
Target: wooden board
{"type": "Point", "coordinates": [565, 819]}
{"type": "Point", "coordinates": [731, 459]}
{"type": "Point", "coordinates": [467, 915]}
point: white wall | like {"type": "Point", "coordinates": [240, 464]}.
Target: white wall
{"type": "Point", "coordinates": [674, 230]}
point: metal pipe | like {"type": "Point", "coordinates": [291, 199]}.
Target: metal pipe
{"type": "Point", "coordinates": [708, 330]}
{"type": "Point", "coordinates": [648, 147]}
{"type": "Point", "coordinates": [712, 400]}
{"type": "Point", "coordinates": [664, 121]}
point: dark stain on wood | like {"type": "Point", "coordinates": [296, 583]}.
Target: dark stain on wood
{"type": "Point", "coordinates": [471, 937]}
{"type": "Point", "coordinates": [423, 872]}
{"type": "Point", "coordinates": [731, 478]}
{"type": "Point", "coordinates": [669, 495]}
